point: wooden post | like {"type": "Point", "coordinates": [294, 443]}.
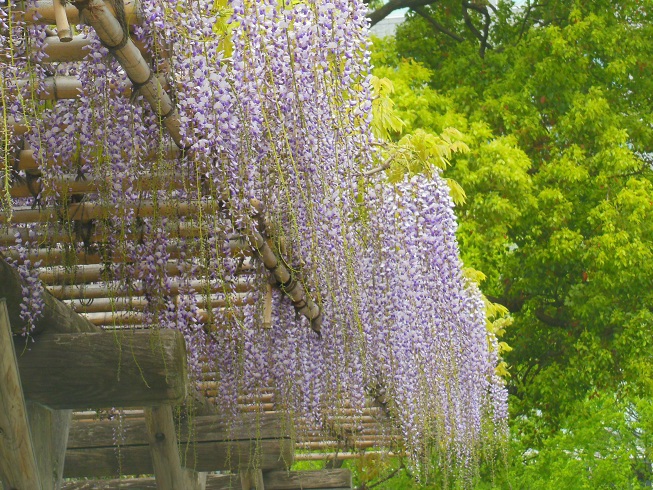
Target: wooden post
{"type": "Point", "coordinates": [252, 480]}
{"type": "Point", "coordinates": [50, 437]}
{"type": "Point", "coordinates": [162, 438]}
{"type": "Point", "coordinates": [18, 467]}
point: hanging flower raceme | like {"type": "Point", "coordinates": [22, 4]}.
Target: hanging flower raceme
{"type": "Point", "coordinates": [275, 105]}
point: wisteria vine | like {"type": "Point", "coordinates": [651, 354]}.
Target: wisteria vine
{"type": "Point", "coordinates": [275, 103]}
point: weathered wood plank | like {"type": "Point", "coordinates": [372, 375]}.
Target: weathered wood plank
{"type": "Point", "coordinates": [203, 456]}
{"type": "Point", "coordinates": [322, 479]}
{"type": "Point", "coordinates": [55, 316]}
{"type": "Point", "coordinates": [252, 480]}
{"type": "Point", "coordinates": [274, 480]}
{"type": "Point", "coordinates": [131, 483]}
{"type": "Point", "coordinates": [162, 439]}
{"type": "Point", "coordinates": [97, 370]}
{"type": "Point", "coordinates": [49, 435]}
{"type": "Point", "coordinates": [202, 428]}
{"type": "Point", "coordinates": [18, 467]}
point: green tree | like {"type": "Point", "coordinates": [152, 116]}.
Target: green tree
{"type": "Point", "coordinates": [557, 115]}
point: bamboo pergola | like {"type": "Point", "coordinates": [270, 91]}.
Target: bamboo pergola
{"type": "Point", "coordinates": [48, 437]}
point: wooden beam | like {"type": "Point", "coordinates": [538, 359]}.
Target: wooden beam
{"type": "Point", "coordinates": [18, 467]}
{"type": "Point", "coordinates": [291, 480]}
{"type": "Point", "coordinates": [55, 316]}
{"type": "Point", "coordinates": [112, 461]}
{"type": "Point", "coordinates": [96, 370]}
{"type": "Point", "coordinates": [162, 438]}
{"type": "Point", "coordinates": [273, 480]}
{"type": "Point", "coordinates": [50, 436]}
{"type": "Point", "coordinates": [207, 442]}
{"type": "Point", "coordinates": [85, 434]}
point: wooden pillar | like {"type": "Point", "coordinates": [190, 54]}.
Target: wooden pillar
{"type": "Point", "coordinates": [162, 438]}
{"type": "Point", "coordinates": [18, 468]}
{"type": "Point", "coordinates": [252, 480]}
{"type": "Point", "coordinates": [50, 437]}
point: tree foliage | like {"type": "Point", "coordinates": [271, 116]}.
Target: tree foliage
{"type": "Point", "coordinates": [558, 215]}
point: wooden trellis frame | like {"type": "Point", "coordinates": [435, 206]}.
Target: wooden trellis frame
{"type": "Point", "coordinates": [42, 383]}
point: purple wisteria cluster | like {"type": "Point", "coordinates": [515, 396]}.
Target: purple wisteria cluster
{"type": "Point", "coordinates": [275, 105]}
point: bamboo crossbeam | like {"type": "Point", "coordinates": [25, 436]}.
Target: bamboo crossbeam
{"type": "Point", "coordinates": [77, 49]}
{"type": "Point", "coordinates": [87, 274]}
{"type": "Point", "coordinates": [43, 13]}
{"type": "Point", "coordinates": [70, 185]}
{"type": "Point", "coordinates": [56, 88]}
{"type": "Point", "coordinates": [52, 239]}
{"type": "Point", "coordinates": [96, 14]}
{"type": "Point", "coordinates": [125, 317]}
{"type": "Point", "coordinates": [69, 87]}
{"type": "Point", "coordinates": [317, 446]}
{"type": "Point", "coordinates": [27, 158]}
{"type": "Point", "coordinates": [344, 455]}
{"type": "Point", "coordinates": [84, 274]}
{"type": "Point", "coordinates": [87, 211]}
{"type": "Point", "coordinates": [131, 305]}
{"type": "Point", "coordinates": [116, 290]}
{"type": "Point", "coordinates": [17, 127]}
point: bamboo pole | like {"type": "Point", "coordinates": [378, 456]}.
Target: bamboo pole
{"type": "Point", "coordinates": [43, 13]}
{"type": "Point", "coordinates": [51, 239]}
{"type": "Point", "coordinates": [56, 88]}
{"type": "Point", "coordinates": [71, 184]}
{"type": "Point", "coordinates": [69, 87]}
{"type": "Point", "coordinates": [344, 455]}
{"type": "Point", "coordinates": [77, 49]}
{"type": "Point", "coordinates": [64, 32]}
{"type": "Point", "coordinates": [85, 274]}
{"type": "Point", "coordinates": [27, 158]}
{"type": "Point", "coordinates": [87, 211]}
{"type": "Point", "coordinates": [115, 289]}
{"type": "Point", "coordinates": [284, 277]}
{"type": "Point", "coordinates": [96, 14]}
{"type": "Point", "coordinates": [17, 127]}
{"type": "Point", "coordinates": [118, 306]}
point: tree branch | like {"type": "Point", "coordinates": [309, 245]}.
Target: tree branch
{"type": "Point", "coordinates": [482, 36]}
{"type": "Point", "coordinates": [382, 12]}
{"type": "Point", "coordinates": [436, 25]}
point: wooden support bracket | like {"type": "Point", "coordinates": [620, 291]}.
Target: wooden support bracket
{"type": "Point", "coordinates": [252, 480]}
{"type": "Point", "coordinates": [162, 438]}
